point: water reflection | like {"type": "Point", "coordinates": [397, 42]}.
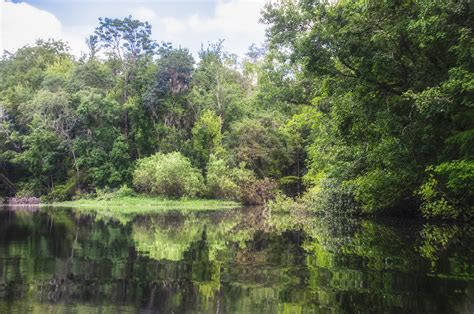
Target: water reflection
{"type": "Point", "coordinates": [246, 261]}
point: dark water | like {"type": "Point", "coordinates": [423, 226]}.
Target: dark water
{"type": "Point", "coordinates": [242, 261]}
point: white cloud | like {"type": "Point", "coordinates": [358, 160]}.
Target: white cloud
{"type": "Point", "coordinates": [76, 38]}
{"type": "Point", "coordinates": [173, 26]}
{"type": "Point", "coordinates": [236, 21]}
{"type": "Point", "coordinates": [22, 24]}
{"type": "Point", "coordinates": [144, 14]}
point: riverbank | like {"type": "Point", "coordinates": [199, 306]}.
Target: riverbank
{"type": "Point", "coordinates": [147, 204]}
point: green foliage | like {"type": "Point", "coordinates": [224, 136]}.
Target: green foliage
{"type": "Point", "coordinates": [393, 85]}
{"type": "Point", "coordinates": [447, 192]}
{"type": "Point", "coordinates": [221, 180]}
{"type": "Point", "coordinates": [108, 168]}
{"type": "Point", "coordinates": [331, 198]}
{"type": "Point", "coordinates": [218, 85]}
{"type": "Point", "coordinates": [206, 137]}
{"type": "Point", "coordinates": [62, 192]}
{"type": "Point", "coordinates": [90, 74]}
{"type": "Point", "coordinates": [172, 77]}
{"type": "Point", "coordinates": [170, 175]}
{"type": "Point", "coordinates": [260, 144]}
{"type": "Point", "coordinates": [377, 190]}
{"type": "Point", "coordinates": [108, 193]}
{"type": "Point", "coordinates": [42, 157]}
{"type": "Point", "coordinates": [256, 191]}
{"type": "Point", "coordinates": [26, 68]}
{"type": "Point", "coordinates": [283, 204]}
{"type": "Point", "coordinates": [367, 106]}
{"type": "Point", "coordinates": [125, 191]}
{"type": "Point", "coordinates": [125, 38]}
{"type": "Point", "coordinates": [239, 183]}
{"type": "Point", "coordinates": [167, 98]}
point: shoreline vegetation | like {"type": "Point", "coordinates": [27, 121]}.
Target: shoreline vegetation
{"type": "Point", "coordinates": [146, 204]}
{"type": "Point", "coordinates": [349, 107]}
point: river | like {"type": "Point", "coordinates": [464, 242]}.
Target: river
{"type": "Point", "coordinates": [236, 261]}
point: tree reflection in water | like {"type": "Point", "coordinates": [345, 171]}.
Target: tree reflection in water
{"type": "Point", "coordinates": [243, 261]}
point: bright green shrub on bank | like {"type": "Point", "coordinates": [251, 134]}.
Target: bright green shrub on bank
{"type": "Point", "coordinates": [330, 197]}
{"type": "Point", "coordinates": [240, 184]}
{"type": "Point", "coordinates": [62, 192]}
{"type": "Point", "coordinates": [170, 175]}
{"type": "Point", "coordinates": [110, 194]}
{"type": "Point", "coordinates": [378, 189]}
{"type": "Point", "coordinates": [207, 137]}
{"type": "Point", "coordinates": [220, 181]}
{"type": "Point", "coordinates": [448, 191]}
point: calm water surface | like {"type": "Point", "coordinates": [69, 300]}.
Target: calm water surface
{"type": "Point", "coordinates": [240, 261]}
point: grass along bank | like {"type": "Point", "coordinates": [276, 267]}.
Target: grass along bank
{"type": "Point", "coordinates": [147, 204]}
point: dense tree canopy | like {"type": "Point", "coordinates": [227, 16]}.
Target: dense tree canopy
{"type": "Point", "coordinates": [393, 82]}
{"type": "Point", "coordinates": [369, 102]}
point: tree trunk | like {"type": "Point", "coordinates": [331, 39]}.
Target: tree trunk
{"type": "Point", "coordinates": [125, 98]}
{"type": "Point", "coordinates": [10, 186]}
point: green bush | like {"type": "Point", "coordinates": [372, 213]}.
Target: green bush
{"type": "Point", "coordinates": [207, 137]}
{"type": "Point", "coordinates": [378, 189]}
{"type": "Point", "coordinates": [448, 191]}
{"type": "Point", "coordinates": [259, 191]}
{"type": "Point", "coordinates": [330, 197]}
{"type": "Point", "coordinates": [239, 184]}
{"type": "Point", "coordinates": [170, 175]}
{"type": "Point", "coordinates": [111, 193]}
{"type": "Point", "coordinates": [254, 191]}
{"type": "Point", "coordinates": [27, 189]}
{"type": "Point", "coordinates": [125, 191]}
{"type": "Point", "coordinates": [62, 192]}
{"type": "Point", "coordinates": [220, 180]}
{"type": "Point", "coordinates": [284, 204]}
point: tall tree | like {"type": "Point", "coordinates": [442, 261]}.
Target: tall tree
{"type": "Point", "coordinates": [218, 85]}
{"type": "Point", "coordinates": [129, 42]}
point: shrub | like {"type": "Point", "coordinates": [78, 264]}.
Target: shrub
{"type": "Point", "coordinates": [284, 204]}
{"type": "Point", "coordinates": [62, 192]}
{"type": "Point", "coordinates": [448, 190]}
{"type": "Point", "coordinates": [27, 189]}
{"type": "Point", "coordinates": [290, 184]}
{"type": "Point", "coordinates": [111, 193]}
{"type": "Point", "coordinates": [330, 197]}
{"type": "Point", "coordinates": [238, 184]}
{"type": "Point", "coordinates": [257, 192]}
{"type": "Point", "coordinates": [124, 191]}
{"type": "Point", "coordinates": [379, 189]}
{"type": "Point", "coordinates": [220, 182]}
{"type": "Point", "coordinates": [261, 144]}
{"type": "Point", "coordinates": [170, 175]}
{"type": "Point", "coordinates": [207, 137]}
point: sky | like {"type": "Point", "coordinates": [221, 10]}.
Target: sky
{"type": "Point", "coordinates": [184, 23]}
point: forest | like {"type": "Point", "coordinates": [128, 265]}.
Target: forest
{"type": "Point", "coordinates": [359, 107]}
